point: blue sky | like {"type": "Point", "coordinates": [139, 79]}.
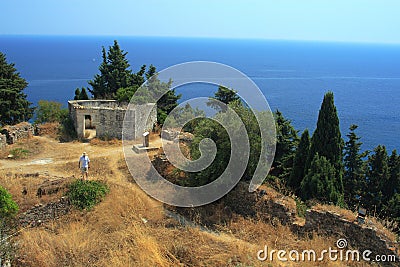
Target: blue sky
{"type": "Point", "coordinates": [325, 20]}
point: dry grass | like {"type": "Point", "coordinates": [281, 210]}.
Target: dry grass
{"type": "Point", "coordinates": [345, 214]}
{"type": "Point", "coordinates": [49, 129]}
{"type": "Point", "coordinates": [33, 145]}
{"type": "Point", "coordinates": [114, 234]}
{"type": "Point", "coordinates": [99, 142]}
{"type": "Point", "coordinates": [379, 224]}
{"type": "Point", "coordinates": [130, 229]}
{"type": "Point", "coordinates": [17, 183]}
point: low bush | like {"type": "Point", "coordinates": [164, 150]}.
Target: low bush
{"type": "Point", "coordinates": [86, 194]}
{"type": "Point", "coordinates": [19, 153]}
{"type": "Point", "coordinates": [8, 207]}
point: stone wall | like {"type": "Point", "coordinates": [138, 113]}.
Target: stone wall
{"type": "Point", "coordinates": [107, 117]}
{"type": "Point", "coordinates": [362, 237]}
{"type": "Point", "coordinates": [19, 131]}
{"type": "Point", "coordinates": [261, 204]}
{"type": "Point", "coordinates": [43, 213]}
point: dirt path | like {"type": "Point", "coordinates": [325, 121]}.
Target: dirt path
{"type": "Point", "coordinates": [55, 156]}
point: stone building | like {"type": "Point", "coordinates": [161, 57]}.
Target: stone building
{"type": "Point", "coordinates": [106, 118]}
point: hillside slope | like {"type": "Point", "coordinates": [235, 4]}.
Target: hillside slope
{"type": "Point", "coordinates": [129, 228]}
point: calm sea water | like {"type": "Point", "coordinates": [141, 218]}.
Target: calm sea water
{"type": "Point", "coordinates": [294, 76]}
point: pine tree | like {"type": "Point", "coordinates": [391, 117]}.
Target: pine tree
{"type": "Point", "coordinates": [114, 73]}
{"type": "Point", "coordinates": [224, 95]}
{"type": "Point", "coordinates": [14, 107]}
{"type": "Point", "coordinates": [318, 183]}
{"type": "Point", "coordinates": [377, 177]}
{"type": "Point", "coordinates": [286, 143]}
{"type": "Point", "coordinates": [299, 162]}
{"type": "Point", "coordinates": [393, 185]}
{"type": "Point", "coordinates": [327, 141]}
{"type": "Point", "coordinates": [354, 174]}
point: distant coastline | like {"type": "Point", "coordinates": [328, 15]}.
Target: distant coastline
{"type": "Point", "coordinates": [293, 75]}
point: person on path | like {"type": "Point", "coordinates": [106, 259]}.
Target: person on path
{"type": "Point", "coordinates": [84, 165]}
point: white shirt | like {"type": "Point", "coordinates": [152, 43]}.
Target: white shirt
{"type": "Point", "coordinates": [84, 160]}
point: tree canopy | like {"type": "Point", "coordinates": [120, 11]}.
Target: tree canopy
{"type": "Point", "coordinates": [117, 81]}
{"type": "Point", "coordinates": [14, 107]}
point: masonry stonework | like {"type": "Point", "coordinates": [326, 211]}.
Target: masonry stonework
{"type": "Point", "coordinates": [107, 117]}
{"type": "Point", "coordinates": [21, 130]}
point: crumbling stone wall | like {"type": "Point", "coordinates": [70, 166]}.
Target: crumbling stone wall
{"type": "Point", "coordinates": [107, 117]}
{"type": "Point", "coordinates": [43, 213]}
{"type": "Point", "coordinates": [362, 237]}
{"type": "Point", "coordinates": [260, 204]}
{"type": "Point", "coordinates": [19, 131]}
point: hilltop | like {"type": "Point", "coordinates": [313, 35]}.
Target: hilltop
{"type": "Point", "coordinates": [129, 228]}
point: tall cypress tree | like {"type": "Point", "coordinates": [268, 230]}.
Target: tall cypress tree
{"type": "Point", "coordinates": [354, 174]}
{"type": "Point", "coordinates": [299, 162]}
{"type": "Point", "coordinates": [14, 107]}
{"type": "Point", "coordinates": [327, 140]}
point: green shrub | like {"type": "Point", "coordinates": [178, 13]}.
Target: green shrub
{"type": "Point", "coordinates": [49, 111]}
{"type": "Point", "coordinates": [301, 207]}
{"type": "Point", "coordinates": [86, 194]}
{"type": "Point", "coordinates": [19, 153]}
{"type": "Point", "coordinates": [8, 207]}
{"type": "Point", "coordinates": [67, 129]}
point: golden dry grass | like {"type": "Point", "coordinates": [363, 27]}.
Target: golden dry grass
{"type": "Point", "coordinates": [131, 229]}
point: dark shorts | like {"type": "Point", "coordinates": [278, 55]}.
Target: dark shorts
{"type": "Point", "coordinates": [84, 169]}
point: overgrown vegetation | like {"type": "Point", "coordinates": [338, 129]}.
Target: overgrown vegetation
{"type": "Point", "coordinates": [323, 168]}
{"type": "Point", "coordinates": [117, 81]}
{"type": "Point", "coordinates": [50, 111]}
{"type": "Point", "coordinates": [19, 153]}
{"type": "Point", "coordinates": [86, 194]}
{"type": "Point", "coordinates": [8, 209]}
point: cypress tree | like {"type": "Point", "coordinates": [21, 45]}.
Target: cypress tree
{"type": "Point", "coordinates": [77, 94]}
{"type": "Point", "coordinates": [299, 162]}
{"type": "Point", "coordinates": [83, 94]}
{"type": "Point", "coordinates": [354, 174]}
{"type": "Point", "coordinates": [327, 141]}
{"type": "Point", "coordinates": [318, 183]}
{"type": "Point", "coordinates": [14, 107]}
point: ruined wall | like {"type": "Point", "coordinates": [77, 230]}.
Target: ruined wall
{"type": "Point", "coordinates": [19, 131]}
{"type": "Point", "coordinates": [107, 117]}
{"type": "Point", "coordinates": [43, 213]}
{"type": "Point", "coordinates": [363, 237]}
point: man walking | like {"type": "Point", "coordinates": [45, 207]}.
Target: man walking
{"type": "Point", "coordinates": [84, 165]}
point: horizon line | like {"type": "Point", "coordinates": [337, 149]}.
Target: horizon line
{"type": "Point", "coordinates": [202, 37]}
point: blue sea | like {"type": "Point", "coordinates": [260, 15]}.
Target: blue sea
{"type": "Point", "coordinates": [293, 75]}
